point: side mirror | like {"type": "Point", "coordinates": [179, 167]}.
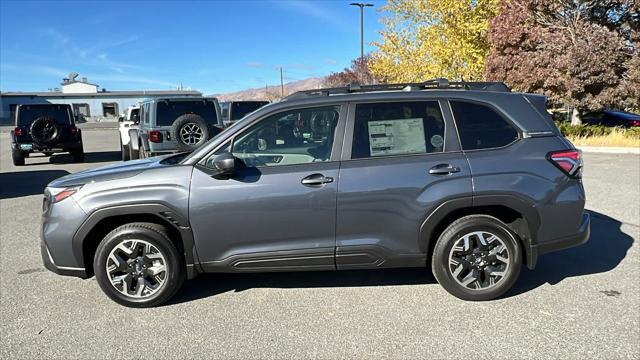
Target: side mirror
{"type": "Point", "coordinates": [225, 163]}
{"type": "Point", "coordinates": [120, 118]}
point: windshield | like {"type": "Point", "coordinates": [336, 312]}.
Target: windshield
{"type": "Point", "coordinates": [168, 111]}
{"type": "Point", "coordinates": [58, 113]}
{"type": "Point", "coordinates": [241, 108]}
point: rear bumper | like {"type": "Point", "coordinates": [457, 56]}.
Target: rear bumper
{"type": "Point", "coordinates": [59, 147]}
{"type": "Point", "coordinates": [579, 238]}
{"type": "Point", "coordinates": [47, 260]}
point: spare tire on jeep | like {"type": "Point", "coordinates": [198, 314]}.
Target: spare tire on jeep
{"type": "Point", "coordinates": [189, 131]}
{"type": "Point", "coordinates": [44, 131]}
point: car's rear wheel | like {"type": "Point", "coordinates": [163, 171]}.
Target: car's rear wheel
{"type": "Point", "coordinates": [78, 154]}
{"type": "Point", "coordinates": [477, 258]}
{"type": "Point", "coordinates": [17, 156]}
{"type": "Point", "coordinates": [137, 265]}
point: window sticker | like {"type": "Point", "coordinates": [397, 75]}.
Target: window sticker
{"type": "Point", "coordinates": [400, 136]}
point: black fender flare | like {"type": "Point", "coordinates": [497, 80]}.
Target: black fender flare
{"type": "Point", "coordinates": [160, 210]}
{"type": "Point", "coordinates": [526, 229]}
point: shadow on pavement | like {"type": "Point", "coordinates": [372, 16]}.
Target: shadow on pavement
{"type": "Point", "coordinates": [89, 157]}
{"type": "Point", "coordinates": [206, 285]}
{"type": "Point", "coordinates": [606, 248]}
{"type": "Point", "coordinates": [25, 183]}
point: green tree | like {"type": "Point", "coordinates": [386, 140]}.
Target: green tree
{"type": "Point", "coordinates": [424, 39]}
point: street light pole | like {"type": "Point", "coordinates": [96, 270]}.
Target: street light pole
{"type": "Point", "coordinates": [361, 6]}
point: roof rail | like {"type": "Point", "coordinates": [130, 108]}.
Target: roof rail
{"type": "Point", "coordinates": [439, 83]}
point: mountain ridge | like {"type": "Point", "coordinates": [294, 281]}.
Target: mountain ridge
{"type": "Point", "coordinates": [272, 92]}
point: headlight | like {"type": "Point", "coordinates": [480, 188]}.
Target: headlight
{"type": "Point", "coordinates": [58, 195]}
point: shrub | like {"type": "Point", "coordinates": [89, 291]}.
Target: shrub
{"type": "Point", "coordinates": [584, 130]}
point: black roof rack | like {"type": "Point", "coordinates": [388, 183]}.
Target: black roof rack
{"type": "Point", "coordinates": [439, 83]}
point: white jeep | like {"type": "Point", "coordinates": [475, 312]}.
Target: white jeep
{"type": "Point", "coordinates": [128, 121]}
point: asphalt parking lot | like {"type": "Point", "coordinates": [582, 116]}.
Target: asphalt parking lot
{"type": "Point", "coordinates": [578, 303]}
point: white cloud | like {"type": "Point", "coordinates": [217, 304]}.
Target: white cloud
{"type": "Point", "coordinates": [313, 9]}
{"type": "Point", "coordinates": [36, 70]}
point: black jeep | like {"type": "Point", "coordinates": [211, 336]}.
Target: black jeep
{"type": "Point", "coordinates": [45, 128]}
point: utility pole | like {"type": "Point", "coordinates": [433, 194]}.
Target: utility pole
{"type": "Point", "coordinates": [361, 6]}
{"type": "Point", "coordinates": [281, 83]}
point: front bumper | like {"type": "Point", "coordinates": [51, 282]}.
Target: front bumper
{"type": "Point", "coordinates": [579, 238]}
{"type": "Point", "coordinates": [47, 260]}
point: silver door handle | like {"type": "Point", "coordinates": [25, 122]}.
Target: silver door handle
{"type": "Point", "coordinates": [316, 179]}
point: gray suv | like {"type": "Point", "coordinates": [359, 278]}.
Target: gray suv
{"type": "Point", "coordinates": [468, 178]}
{"type": "Point", "coordinates": [168, 125]}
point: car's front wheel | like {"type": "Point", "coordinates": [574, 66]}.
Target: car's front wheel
{"type": "Point", "coordinates": [137, 265]}
{"type": "Point", "coordinates": [477, 258]}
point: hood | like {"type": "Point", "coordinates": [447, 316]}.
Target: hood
{"type": "Point", "coordinates": [110, 172]}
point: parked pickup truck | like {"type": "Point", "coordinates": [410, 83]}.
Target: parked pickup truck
{"type": "Point", "coordinates": [128, 122]}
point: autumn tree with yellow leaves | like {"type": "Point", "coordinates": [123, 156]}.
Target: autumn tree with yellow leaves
{"type": "Point", "coordinates": [425, 39]}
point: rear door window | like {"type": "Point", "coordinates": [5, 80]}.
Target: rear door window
{"type": "Point", "coordinates": [397, 128]}
{"type": "Point", "coordinates": [481, 127]}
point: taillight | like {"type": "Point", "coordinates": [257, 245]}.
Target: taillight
{"type": "Point", "coordinates": [635, 122]}
{"type": "Point", "coordinates": [73, 130]}
{"type": "Point", "coordinates": [155, 136]}
{"type": "Point", "coordinates": [18, 131]}
{"type": "Point", "coordinates": [569, 161]}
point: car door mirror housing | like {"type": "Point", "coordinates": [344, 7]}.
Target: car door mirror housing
{"type": "Point", "coordinates": [225, 163]}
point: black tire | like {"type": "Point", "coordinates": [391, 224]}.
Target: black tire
{"type": "Point", "coordinates": [78, 154]}
{"type": "Point", "coordinates": [155, 235]}
{"type": "Point", "coordinates": [44, 131]}
{"type": "Point", "coordinates": [443, 272]}
{"type": "Point", "coordinates": [17, 156]}
{"type": "Point", "coordinates": [196, 128]}
{"type": "Point", "coordinates": [124, 151]}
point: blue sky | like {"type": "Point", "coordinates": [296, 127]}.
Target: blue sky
{"type": "Point", "coordinates": [211, 46]}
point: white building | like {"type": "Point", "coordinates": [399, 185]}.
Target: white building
{"type": "Point", "coordinates": [72, 86]}
{"type": "Point", "coordinates": [87, 100]}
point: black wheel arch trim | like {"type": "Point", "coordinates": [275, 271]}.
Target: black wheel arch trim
{"type": "Point", "coordinates": [163, 211]}
{"type": "Point", "coordinates": [526, 229]}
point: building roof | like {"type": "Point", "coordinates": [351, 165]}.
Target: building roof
{"type": "Point", "coordinates": [143, 93]}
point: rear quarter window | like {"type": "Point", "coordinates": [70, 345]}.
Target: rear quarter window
{"type": "Point", "coordinates": [481, 127]}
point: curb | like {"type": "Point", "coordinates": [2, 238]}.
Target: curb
{"type": "Point", "coordinates": [609, 150]}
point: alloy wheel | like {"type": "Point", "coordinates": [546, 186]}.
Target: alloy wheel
{"type": "Point", "coordinates": [191, 133]}
{"type": "Point", "coordinates": [479, 260]}
{"type": "Point", "coordinates": [136, 268]}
